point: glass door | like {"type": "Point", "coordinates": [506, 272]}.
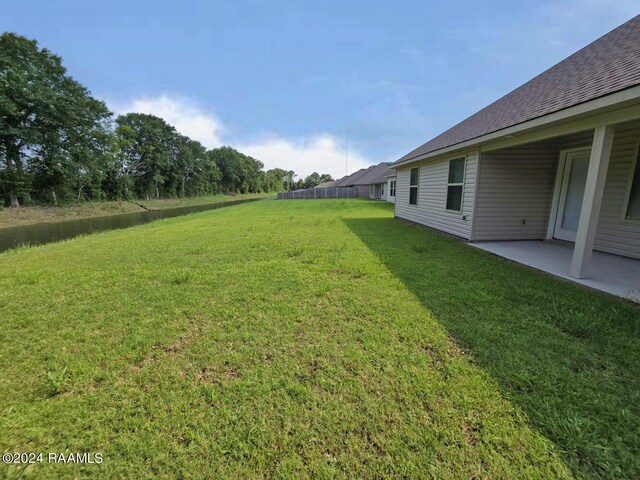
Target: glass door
{"type": "Point", "coordinates": [571, 193]}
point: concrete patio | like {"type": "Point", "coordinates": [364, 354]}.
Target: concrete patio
{"type": "Point", "coordinates": [613, 274]}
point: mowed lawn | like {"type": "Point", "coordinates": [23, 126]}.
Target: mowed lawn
{"type": "Point", "coordinates": [310, 339]}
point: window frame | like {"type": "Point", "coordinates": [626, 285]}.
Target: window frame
{"type": "Point", "coordinates": [416, 186]}
{"type": "Point", "coordinates": [372, 189]}
{"type": "Point", "coordinates": [456, 184]}
{"type": "Point", "coordinates": [392, 188]}
{"type": "Point", "coordinates": [627, 196]}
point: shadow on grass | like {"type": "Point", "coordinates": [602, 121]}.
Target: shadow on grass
{"type": "Point", "coordinates": [567, 356]}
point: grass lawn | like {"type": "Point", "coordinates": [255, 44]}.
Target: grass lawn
{"type": "Point", "coordinates": [11, 217]}
{"type": "Point", "coordinates": [315, 339]}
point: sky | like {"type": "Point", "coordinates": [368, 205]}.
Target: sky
{"type": "Point", "coordinates": [327, 86]}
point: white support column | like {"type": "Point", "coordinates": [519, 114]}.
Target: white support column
{"type": "Point", "coordinates": [594, 187]}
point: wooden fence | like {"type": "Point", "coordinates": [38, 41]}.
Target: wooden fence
{"type": "Point", "coordinates": [311, 193]}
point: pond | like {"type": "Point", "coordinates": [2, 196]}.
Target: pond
{"type": "Point", "coordinates": [51, 232]}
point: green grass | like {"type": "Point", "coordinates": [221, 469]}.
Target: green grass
{"type": "Point", "coordinates": [315, 339]}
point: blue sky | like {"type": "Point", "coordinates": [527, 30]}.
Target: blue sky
{"type": "Point", "coordinates": [276, 78]}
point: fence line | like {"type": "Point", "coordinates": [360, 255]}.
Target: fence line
{"type": "Point", "coordinates": [311, 193]}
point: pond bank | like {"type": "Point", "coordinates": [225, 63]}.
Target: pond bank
{"type": "Point", "coordinates": [41, 233]}
{"type": "Point", "coordinates": [30, 215]}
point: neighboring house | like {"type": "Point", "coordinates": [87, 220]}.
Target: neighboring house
{"type": "Point", "coordinates": [391, 187]}
{"type": "Point", "coordinates": [555, 158]}
{"type": "Point", "coordinates": [370, 182]}
{"type": "Point", "coordinates": [349, 181]}
{"type": "Point", "coordinates": [374, 181]}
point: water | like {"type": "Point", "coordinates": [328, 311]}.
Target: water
{"type": "Point", "coordinates": [51, 232]}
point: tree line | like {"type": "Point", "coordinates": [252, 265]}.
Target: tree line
{"type": "Point", "coordinates": [59, 143]}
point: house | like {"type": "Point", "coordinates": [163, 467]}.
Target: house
{"type": "Point", "coordinates": [348, 181]}
{"type": "Point", "coordinates": [557, 158]}
{"type": "Point", "coordinates": [374, 181]}
{"type": "Point", "coordinates": [370, 182]}
{"type": "Point", "coordinates": [391, 187]}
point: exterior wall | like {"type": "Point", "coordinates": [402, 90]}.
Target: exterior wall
{"type": "Point", "coordinates": [383, 189]}
{"type": "Point", "coordinates": [388, 191]}
{"type": "Point", "coordinates": [432, 195]}
{"type": "Point", "coordinates": [362, 191]}
{"type": "Point", "coordinates": [515, 190]}
{"type": "Point", "coordinates": [614, 234]}
{"type": "Point", "coordinates": [379, 191]}
{"type": "Point", "coordinates": [518, 183]}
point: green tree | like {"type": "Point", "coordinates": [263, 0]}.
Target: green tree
{"type": "Point", "coordinates": [312, 180]}
{"type": "Point", "coordinates": [275, 180]}
{"type": "Point", "coordinates": [47, 119]}
{"type": "Point", "coordinates": [147, 148]}
{"type": "Point", "coordinates": [195, 173]}
{"type": "Point", "coordinates": [290, 180]}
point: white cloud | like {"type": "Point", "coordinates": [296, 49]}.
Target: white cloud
{"type": "Point", "coordinates": [319, 152]}
{"type": "Point", "coordinates": [188, 117]}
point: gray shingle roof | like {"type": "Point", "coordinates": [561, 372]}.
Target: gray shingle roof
{"type": "Point", "coordinates": [366, 176]}
{"type": "Point", "coordinates": [376, 174]}
{"type": "Point", "coordinates": [608, 65]}
{"type": "Point", "coordinates": [349, 179]}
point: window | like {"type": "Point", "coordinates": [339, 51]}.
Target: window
{"type": "Point", "coordinates": [633, 203]}
{"type": "Point", "coordinates": [413, 186]}
{"type": "Point", "coordinates": [455, 184]}
{"type": "Point", "coordinates": [382, 189]}
{"type": "Point", "coordinates": [392, 188]}
{"type": "Point", "coordinates": [371, 189]}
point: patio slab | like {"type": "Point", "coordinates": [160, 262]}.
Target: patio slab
{"type": "Point", "coordinates": [613, 274]}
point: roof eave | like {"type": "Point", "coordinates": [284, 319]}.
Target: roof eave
{"type": "Point", "coordinates": [586, 109]}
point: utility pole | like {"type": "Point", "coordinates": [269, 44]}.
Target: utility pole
{"type": "Point", "coordinates": [346, 134]}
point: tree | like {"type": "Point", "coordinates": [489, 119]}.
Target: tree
{"type": "Point", "coordinates": [289, 180]}
{"type": "Point", "coordinates": [198, 174]}
{"type": "Point", "coordinates": [240, 173]}
{"type": "Point", "coordinates": [325, 177]}
{"type": "Point", "coordinates": [72, 158]}
{"type": "Point", "coordinates": [47, 119]}
{"type": "Point", "coordinates": [147, 147]}
{"type": "Point", "coordinates": [312, 180]}
{"type": "Point", "coordinates": [58, 142]}
{"type": "Point", "coordinates": [275, 180]}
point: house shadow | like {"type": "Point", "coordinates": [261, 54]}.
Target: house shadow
{"type": "Point", "coordinates": [567, 356]}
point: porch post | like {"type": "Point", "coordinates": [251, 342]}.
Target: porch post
{"type": "Point", "coordinates": [590, 212]}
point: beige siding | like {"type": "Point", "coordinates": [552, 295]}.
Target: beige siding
{"type": "Point", "coordinates": [384, 191]}
{"type": "Point", "coordinates": [361, 191]}
{"type": "Point", "coordinates": [517, 183]}
{"type": "Point", "coordinates": [614, 234]}
{"type": "Point", "coordinates": [514, 193]}
{"type": "Point", "coordinates": [432, 195]}
{"type": "Point", "coordinates": [387, 191]}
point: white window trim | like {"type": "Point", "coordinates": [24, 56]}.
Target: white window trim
{"type": "Point", "coordinates": [392, 188]}
{"type": "Point", "coordinates": [464, 177]}
{"type": "Point", "coordinates": [416, 186]}
{"type": "Point", "coordinates": [557, 187]}
{"type": "Point", "coordinates": [627, 196]}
